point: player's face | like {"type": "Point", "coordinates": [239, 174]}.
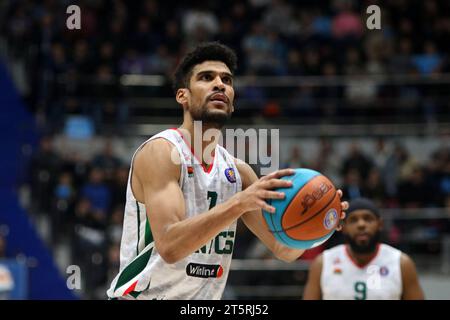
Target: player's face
{"type": "Point", "coordinates": [362, 230]}
{"type": "Point", "coordinates": [211, 93]}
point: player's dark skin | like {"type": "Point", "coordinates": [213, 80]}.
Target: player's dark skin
{"type": "Point", "coordinates": [362, 226]}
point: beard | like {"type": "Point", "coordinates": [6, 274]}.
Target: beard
{"type": "Point", "coordinates": [366, 248]}
{"type": "Point", "coordinates": [215, 119]}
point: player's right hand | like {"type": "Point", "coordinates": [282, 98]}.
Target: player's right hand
{"type": "Point", "coordinates": [253, 198]}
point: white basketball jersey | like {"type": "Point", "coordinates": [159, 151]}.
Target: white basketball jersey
{"type": "Point", "coordinates": [343, 279]}
{"type": "Point", "coordinates": [202, 275]}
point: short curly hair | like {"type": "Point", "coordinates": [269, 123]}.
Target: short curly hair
{"type": "Point", "coordinates": [208, 51]}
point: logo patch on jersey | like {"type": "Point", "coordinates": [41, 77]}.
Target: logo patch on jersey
{"type": "Point", "coordinates": [231, 176]}
{"type": "Point", "coordinates": [337, 271]}
{"type": "Point", "coordinates": [331, 219]}
{"type": "Point", "coordinates": [204, 270]}
{"type": "Point", "coordinates": [190, 171]}
{"type": "Point", "coordinates": [384, 271]}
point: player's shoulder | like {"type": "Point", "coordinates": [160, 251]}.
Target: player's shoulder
{"type": "Point", "coordinates": [246, 172]}
{"type": "Point", "coordinates": [336, 250]}
{"type": "Point", "coordinates": [241, 165]}
{"type": "Point", "coordinates": [158, 148]}
{"type": "Point", "coordinates": [406, 260]}
{"type": "Point", "coordinates": [317, 261]}
{"type": "Point", "coordinates": [157, 156]}
{"type": "Point", "coordinates": [388, 249]}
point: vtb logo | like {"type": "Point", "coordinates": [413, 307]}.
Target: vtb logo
{"type": "Point", "coordinates": [311, 198]}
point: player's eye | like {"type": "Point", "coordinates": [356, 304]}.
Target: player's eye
{"type": "Point", "coordinates": [227, 80]}
{"type": "Point", "coordinates": [206, 77]}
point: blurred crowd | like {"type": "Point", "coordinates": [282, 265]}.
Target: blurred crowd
{"type": "Point", "coordinates": [83, 201]}
{"type": "Point", "coordinates": [67, 68]}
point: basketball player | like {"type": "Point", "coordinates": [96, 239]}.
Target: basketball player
{"type": "Point", "coordinates": [181, 210]}
{"type": "Point", "coordinates": [363, 268]}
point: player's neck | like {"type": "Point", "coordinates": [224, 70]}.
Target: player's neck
{"type": "Point", "coordinates": [195, 136]}
{"type": "Point", "coordinates": [361, 259]}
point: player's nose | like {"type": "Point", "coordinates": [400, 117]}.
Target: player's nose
{"type": "Point", "coordinates": [218, 84]}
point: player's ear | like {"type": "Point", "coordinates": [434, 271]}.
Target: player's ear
{"type": "Point", "coordinates": [380, 224]}
{"type": "Point", "coordinates": [182, 96]}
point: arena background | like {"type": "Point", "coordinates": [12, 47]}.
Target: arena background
{"type": "Point", "coordinates": [368, 108]}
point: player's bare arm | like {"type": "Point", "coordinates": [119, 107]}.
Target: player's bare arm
{"type": "Point", "coordinates": [410, 281]}
{"type": "Point", "coordinates": [313, 290]}
{"type": "Point", "coordinates": [155, 182]}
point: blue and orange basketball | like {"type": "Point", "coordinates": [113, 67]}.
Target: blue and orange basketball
{"type": "Point", "coordinates": [309, 214]}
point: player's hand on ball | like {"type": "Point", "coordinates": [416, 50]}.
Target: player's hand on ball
{"type": "Point", "coordinates": [253, 198]}
{"type": "Point", "coordinates": [344, 206]}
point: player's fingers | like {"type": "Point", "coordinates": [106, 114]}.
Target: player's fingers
{"type": "Point", "coordinates": [265, 194]}
{"type": "Point", "coordinates": [279, 174]}
{"type": "Point", "coordinates": [276, 183]}
{"type": "Point", "coordinates": [266, 207]}
{"type": "Point", "coordinates": [341, 221]}
{"type": "Point", "coordinates": [339, 192]}
{"type": "Point", "coordinates": [344, 205]}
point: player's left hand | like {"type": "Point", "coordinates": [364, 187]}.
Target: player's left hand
{"type": "Point", "coordinates": [344, 206]}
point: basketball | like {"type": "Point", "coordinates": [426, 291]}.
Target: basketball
{"type": "Point", "coordinates": [309, 213]}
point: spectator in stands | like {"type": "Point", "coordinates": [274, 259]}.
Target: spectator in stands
{"type": "Point", "coordinates": [108, 56]}
{"type": "Point", "coordinates": [107, 160]}
{"type": "Point", "coordinates": [90, 245]}
{"type": "Point", "coordinates": [44, 166]}
{"type": "Point", "coordinates": [279, 17]}
{"type": "Point", "coordinates": [374, 188]}
{"type": "Point", "coordinates": [172, 37]}
{"type": "Point", "coordinates": [413, 190]}
{"type": "Point", "coordinates": [62, 207]}
{"type": "Point", "coordinates": [400, 62]}
{"type": "Point", "coordinates": [327, 161]}
{"type": "Point", "coordinates": [346, 24]}
{"type": "Point", "coordinates": [97, 192]}
{"type": "Point", "coordinates": [352, 187]}
{"type": "Point", "coordinates": [118, 186]}
{"type": "Point", "coordinates": [358, 161]}
{"type": "Point", "coordinates": [160, 62]}
{"type": "Point", "coordinates": [392, 171]}
{"type": "Point", "coordinates": [430, 61]}
{"type": "Point", "coordinates": [264, 52]}
{"type": "Point", "coordinates": [296, 159]}
{"type": "Point", "coordinates": [199, 23]}
{"type": "Point", "coordinates": [132, 63]}
{"type": "Point", "coordinates": [115, 225]}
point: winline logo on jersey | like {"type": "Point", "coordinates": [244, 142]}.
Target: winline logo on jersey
{"type": "Point", "coordinates": [204, 270]}
{"type": "Point", "coordinates": [258, 147]}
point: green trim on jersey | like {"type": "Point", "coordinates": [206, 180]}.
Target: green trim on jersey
{"type": "Point", "coordinates": [138, 227]}
{"type": "Point", "coordinates": [148, 233]}
{"type": "Point", "coordinates": [133, 269]}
